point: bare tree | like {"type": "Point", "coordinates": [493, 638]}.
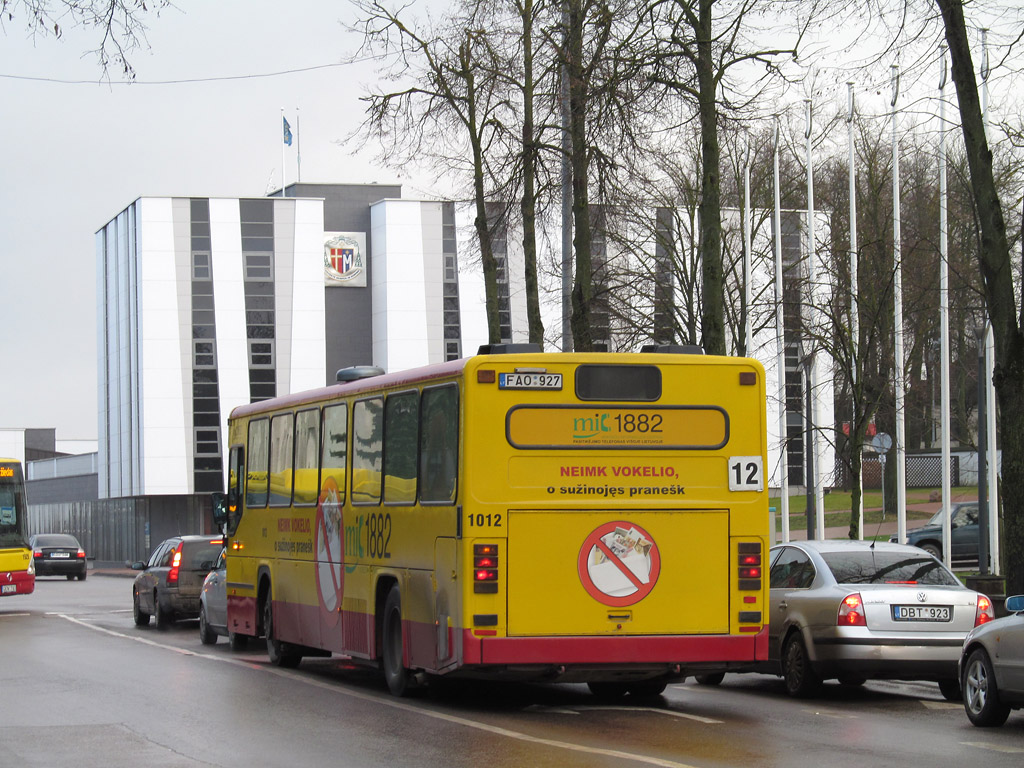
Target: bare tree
{"type": "Point", "coordinates": [119, 24]}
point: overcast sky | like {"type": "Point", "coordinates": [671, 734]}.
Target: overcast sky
{"type": "Point", "coordinates": [75, 155]}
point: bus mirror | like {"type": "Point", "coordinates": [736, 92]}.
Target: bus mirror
{"type": "Point", "coordinates": [220, 508]}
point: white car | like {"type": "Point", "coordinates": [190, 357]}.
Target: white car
{"type": "Point", "coordinates": [992, 667]}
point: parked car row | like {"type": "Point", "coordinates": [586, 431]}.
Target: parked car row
{"type": "Point", "coordinates": [844, 610]}
{"type": "Point", "coordinates": [854, 611]}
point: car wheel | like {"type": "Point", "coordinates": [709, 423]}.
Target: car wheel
{"type": "Point", "coordinates": [714, 678]}
{"type": "Point", "coordinates": [70, 577]}
{"type": "Point", "coordinates": [237, 642]}
{"type": "Point", "coordinates": [950, 689]}
{"type": "Point", "coordinates": [932, 549]}
{"type": "Point", "coordinates": [164, 619]}
{"type": "Point", "coordinates": [608, 691]}
{"type": "Point", "coordinates": [800, 677]}
{"type": "Point", "coordinates": [140, 616]}
{"type": "Point", "coordinates": [280, 654]}
{"type": "Point", "coordinates": [981, 697]}
{"type": "Point", "coordinates": [82, 575]}
{"type": "Point", "coordinates": [395, 673]}
{"type": "Point", "coordinates": [206, 635]}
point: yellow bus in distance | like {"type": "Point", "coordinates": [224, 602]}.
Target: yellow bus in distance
{"type": "Point", "coordinates": [576, 517]}
{"type": "Point", "coordinates": [17, 570]}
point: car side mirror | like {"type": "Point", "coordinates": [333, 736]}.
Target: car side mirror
{"type": "Point", "coordinates": [1015, 604]}
{"type": "Point", "coordinates": [138, 565]}
{"type": "Point", "coordinates": [206, 565]}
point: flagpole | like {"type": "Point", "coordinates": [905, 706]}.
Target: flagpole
{"type": "Point", "coordinates": [298, 149]}
{"type": "Point", "coordinates": [283, 192]}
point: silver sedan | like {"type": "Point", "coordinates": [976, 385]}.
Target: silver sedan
{"type": "Point", "coordinates": [856, 610]}
{"type": "Point", "coordinates": [992, 667]}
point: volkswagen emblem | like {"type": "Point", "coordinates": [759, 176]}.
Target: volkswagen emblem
{"type": "Point", "coordinates": [922, 597]}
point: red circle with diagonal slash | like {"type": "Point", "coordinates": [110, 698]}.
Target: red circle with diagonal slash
{"type": "Point", "coordinates": [329, 550]}
{"type": "Point", "coordinates": [595, 541]}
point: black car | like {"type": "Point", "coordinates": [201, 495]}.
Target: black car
{"type": "Point", "coordinates": [963, 523]}
{"type": "Point", "coordinates": [58, 554]}
{"type": "Point", "coordinates": [171, 582]}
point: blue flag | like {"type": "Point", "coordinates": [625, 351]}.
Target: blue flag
{"type": "Point", "coordinates": [287, 131]}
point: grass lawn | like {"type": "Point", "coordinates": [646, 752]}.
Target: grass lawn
{"type": "Point", "coordinates": [837, 506]}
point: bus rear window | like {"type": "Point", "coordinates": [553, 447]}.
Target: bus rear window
{"type": "Point", "coordinates": [618, 382]}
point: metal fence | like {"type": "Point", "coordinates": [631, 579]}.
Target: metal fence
{"type": "Point", "coordinates": [113, 531]}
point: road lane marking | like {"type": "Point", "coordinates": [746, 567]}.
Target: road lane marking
{"type": "Point", "coordinates": [610, 708]}
{"type": "Point", "coordinates": [394, 703]}
{"type": "Point", "coordinates": [831, 713]}
{"type": "Point", "coordinates": [994, 747]}
{"type": "Point", "coordinates": [12, 615]}
{"type": "Point", "coordinates": [941, 704]}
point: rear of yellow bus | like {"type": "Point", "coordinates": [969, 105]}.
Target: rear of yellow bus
{"type": "Point", "coordinates": [615, 517]}
{"type": "Point", "coordinates": [17, 571]}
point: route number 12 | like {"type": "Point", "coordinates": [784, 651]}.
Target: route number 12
{"type": "Point", "coordinates": [746, 473]}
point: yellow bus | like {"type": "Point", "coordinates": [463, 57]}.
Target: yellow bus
{"type": "Point", "coordinates": [17, 570]}
{"type": "Point", "coordinates": [589, 517]}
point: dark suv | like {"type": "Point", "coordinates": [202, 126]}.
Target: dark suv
{"type": "Point", "coordinates": [171, 582]}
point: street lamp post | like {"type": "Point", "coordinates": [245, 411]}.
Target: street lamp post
{"type": "Point", "coordinates": [982, 332]}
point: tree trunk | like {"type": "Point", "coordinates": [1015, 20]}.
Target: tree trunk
{"type": "Point", "coordinates": [529, 202]}
{"type": "Point", "coordinates": [712, 278]}
{"type": "Point", "coordinates": [582, 290]}
{"type": "Point", "coordinates": [994, 262]}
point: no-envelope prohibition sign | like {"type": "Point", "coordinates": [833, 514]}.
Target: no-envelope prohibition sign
{"type": "Point", "coordinates": [619, 564]}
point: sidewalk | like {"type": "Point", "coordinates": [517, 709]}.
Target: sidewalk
{"type": "Point", "coordinates": [922, 512]}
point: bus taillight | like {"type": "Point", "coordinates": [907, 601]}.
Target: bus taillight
{"type": "Point", "coordinates": [485, 568]}
{"type": "Point", "coordinates": [749, 568]}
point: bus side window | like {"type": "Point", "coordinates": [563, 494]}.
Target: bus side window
{"type": "Point", "coordinates": [307, 445]}
{"type": "Point", "coordinates": [367, 450]}
{"type": "Point", "coordinates": [439, 444]}
{"type": "Point", "coordinates": [401, 422]}
{"type": "Point", "coordinates": [233, 502]}
{"type": "Point", "coordinates": [334, 451]}
{"type": "Point", "coordinates": [281, 434]}
{"type": "Point", "coordinates": [256, 479]}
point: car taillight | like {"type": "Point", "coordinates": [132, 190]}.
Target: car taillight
{"type": "Point", "coordinates": [851, 612]}
{"type": "Point", "coordinates": [485, 568]}
{"type": "Point", "coordinates": [172, 575]}
{"type": "Point", "coordinates": [985, 613]}
{"type": "Point", "coordinates": [81, 553]}
{"type": "Point", "coordinates": [37, 553]}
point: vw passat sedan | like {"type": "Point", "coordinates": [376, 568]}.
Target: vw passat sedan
{"type": "Point", "coordinates": [855, 610]}
{"type": "Point", "coordinates": [992, 667]}
{"type": "Point", "coordinates": [58, 554]}
{"type": "Point", "coordinates": [170, 583]}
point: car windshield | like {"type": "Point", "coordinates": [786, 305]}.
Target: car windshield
{"type": "Point", "coordinates": [871, 566]}
{"type": "Point", "coordinates": [56, 540]}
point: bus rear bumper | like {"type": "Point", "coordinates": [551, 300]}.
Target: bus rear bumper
{"type": "Point", "coordinates": [17, 583]}
{"type": "Point", "coordinates": [619, 651]}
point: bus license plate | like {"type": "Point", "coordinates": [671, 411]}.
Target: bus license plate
{"type": "Point", "coordinates": [922, 613]}
{"type": "Point", "coordinates": [8, 589]}
{"type": "Point", "coordinates": [529, 381]}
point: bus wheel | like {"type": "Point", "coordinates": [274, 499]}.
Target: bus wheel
{"type": "Point", "coordinates": [608, 691]}
{"type": "Point", "coordinates": [648, 689]}
{"type": "Point", "coordinates": [278, 652]}
{"type": "Point", "coordinates": [711, 678]}
{"type": "Point", "coordinates": [140, 616]}
{"type": "Point", "coordinates": [396, 675]}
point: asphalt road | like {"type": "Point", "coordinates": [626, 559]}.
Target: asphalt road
{"type": "Point", "coordinates": [81, 684]}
